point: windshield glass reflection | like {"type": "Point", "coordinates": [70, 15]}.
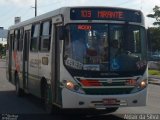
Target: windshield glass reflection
{"type": "Point", "coordinates": [100, 47]}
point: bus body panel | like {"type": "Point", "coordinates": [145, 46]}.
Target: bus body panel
{"type": "Point", "coordinates": [33, 74]}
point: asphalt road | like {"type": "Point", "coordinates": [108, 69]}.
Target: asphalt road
{"type": "Point", "coordinates": [29, 107]}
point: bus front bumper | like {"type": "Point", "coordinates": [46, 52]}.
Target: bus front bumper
{"type": "Point", "coordinates": [72, 99]}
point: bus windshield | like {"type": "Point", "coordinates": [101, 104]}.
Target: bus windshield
{"type": "Point", "coordinates": [105, 47]}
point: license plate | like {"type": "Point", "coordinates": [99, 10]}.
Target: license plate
{"type": "Point", "coordinates": [109, 101]}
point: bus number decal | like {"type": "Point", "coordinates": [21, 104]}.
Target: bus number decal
{"type": "Point", "coordinates": [74, 64]}
{"type": "Point", "coordinates": [86, 13]}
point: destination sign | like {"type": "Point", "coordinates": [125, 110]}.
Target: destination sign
{"type": "Point", "coordinates": [105, 14]}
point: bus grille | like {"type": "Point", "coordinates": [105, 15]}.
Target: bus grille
{"type": "Point", "coordinates": [107, 86]}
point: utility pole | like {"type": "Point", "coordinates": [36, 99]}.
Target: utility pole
{"type": "Point", "coordinates": [35, 8]}
{"type": "Point", "coordinates": [141, 4]}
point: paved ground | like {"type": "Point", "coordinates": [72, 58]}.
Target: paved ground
{"type": "Point", "coordinates": [10, 103]}
{"type": "Point", "coordinates": [153, 103]}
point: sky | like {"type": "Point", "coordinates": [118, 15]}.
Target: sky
{"type": "Point", "coordinates": [24, 8]}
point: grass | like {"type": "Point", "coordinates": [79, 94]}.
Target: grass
{"type": "Point", "coordinates": [154, 72]}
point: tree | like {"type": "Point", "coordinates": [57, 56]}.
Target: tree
{"type": "Point", "coordinates": [153, 39]}
{"type": "Point", "coordinates": [156, 15]}
{"type": "Point", "coordinates": [2, 50]}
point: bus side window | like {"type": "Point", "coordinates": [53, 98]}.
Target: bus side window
{"type": "Point", "coordinates": [17, 37]}
{"type": "Point", "coordinates": [20, 40]}
{"type": "Point", "coordinates": [15, 40]}
{"type": "Point", "coordinates": [12, 38]}
{"type": "Point", "coordinates": [45, 36]}
{"type": "Point", "coordinates": [34, 38]}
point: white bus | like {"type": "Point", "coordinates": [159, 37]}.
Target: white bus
{"type": "Point", "coordinates": [81, 58]}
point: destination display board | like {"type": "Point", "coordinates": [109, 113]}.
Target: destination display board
{"type": "Point", "coordinates": [105, 14]}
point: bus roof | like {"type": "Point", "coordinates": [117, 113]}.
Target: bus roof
{"type": "Point", "coordinates": [61, 11]}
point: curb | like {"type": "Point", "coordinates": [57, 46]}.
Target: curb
{"type": "Point", "coordinates": [2, 60]}
{"type": "Point", "coordinates": [154, 81]}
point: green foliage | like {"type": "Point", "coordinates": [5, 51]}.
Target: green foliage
{"type": "Point", "coordinates": [154, 72]}
{"type": "Point", "coordinates": [2, 50]}
{"type": "Point", "coordinates": [154, 38]}
{"type": "Point", "coordinates": [155, 15]}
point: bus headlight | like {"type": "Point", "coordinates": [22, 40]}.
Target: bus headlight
{"type": "Point", "coordinates": [143, 84]}
{"type": "Point", "coordinates": [140, 86]}
{"type": "Point", "coordinates": [72, 86]}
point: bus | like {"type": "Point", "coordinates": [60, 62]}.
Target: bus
{"type": "Point", "coordinates": [81, 58]}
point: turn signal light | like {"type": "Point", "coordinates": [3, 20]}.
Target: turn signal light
{"type": "Point", "coordinates": [131, 82]}
{"type": "Point", "coordinates": [89, 83]}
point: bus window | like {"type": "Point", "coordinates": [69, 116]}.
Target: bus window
{"type": "Point", "coordinates": [134, 37]}
{"type": "Point", "coordinates": [87, 47]}
{"type": "Point", "coordinates": [15, 40]}
{"type": "Point", "coordinates": [12, 41]}
{"type": "Point", "coordinates": [20, 40]}
{"type": "Point", "coordinates": [117, 38]}
{"type": "Point", "coordinates": [34, 38]}
{"type": "Point", "coordinates": [45, 36]}
{"type": "Point", "coordinates": [17, 36]}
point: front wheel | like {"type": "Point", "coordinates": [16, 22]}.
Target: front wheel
{"type": "Point", "coordinates": [106, 111]}
{"type": "Point", "coordinates": [45, 98]}
{"type": "Point", "coordinates": [111, 110]}
{"type": "Point", "coordinates": [89, 111]}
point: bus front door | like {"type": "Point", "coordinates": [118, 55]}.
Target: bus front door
{"type": "Point", "coordinates": [26, 58]}
{"type": "Point", "coordinates": [10, 58]}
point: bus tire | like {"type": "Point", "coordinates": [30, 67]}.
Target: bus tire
{"type": "Point", "coordinates": [19, 91]}
{"type": "Point", "coordinates": [105, 111]}
{"type": "Point", "coordinates": [111, 110]}
{"type": "Point", "coordinates": [44, 97]}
